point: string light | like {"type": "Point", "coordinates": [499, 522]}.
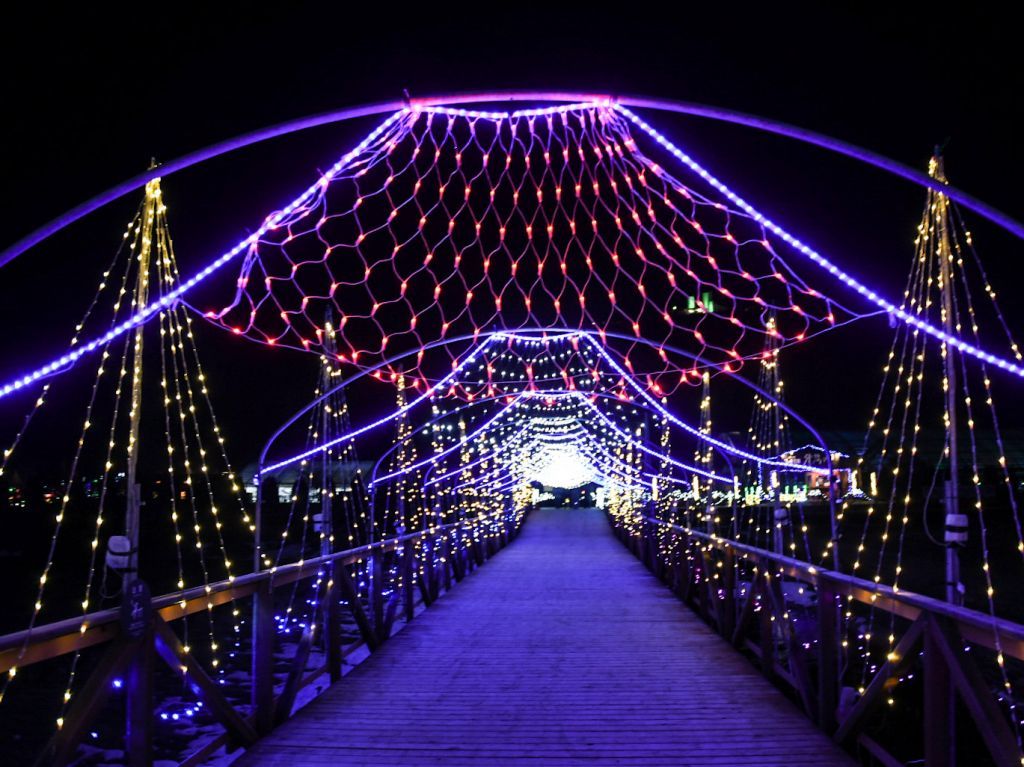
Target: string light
{"type": "Point", "coordinates": [184, 400]}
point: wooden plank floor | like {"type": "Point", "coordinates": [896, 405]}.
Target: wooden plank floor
{"type": "Point", "coordinates": [562, 650]}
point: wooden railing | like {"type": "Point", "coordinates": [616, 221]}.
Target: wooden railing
{"type": "Point", "coordinates": [133, 641]}
{"type": "Point", "coordinates": [738, 590]}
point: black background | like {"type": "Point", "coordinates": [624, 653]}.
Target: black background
{"type": "Point", "coordinates": [90, 97]}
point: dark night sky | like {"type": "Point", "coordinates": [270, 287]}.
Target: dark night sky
{"type": "Point", "coordinates": [90, 98]}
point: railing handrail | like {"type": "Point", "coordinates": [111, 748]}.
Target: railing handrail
{"type": "Point", "coordinates": [67, 635]}
{"type": "Point", "coordinates": [975, 626]}
{"type": "Point", "coordinates": [978, 627]}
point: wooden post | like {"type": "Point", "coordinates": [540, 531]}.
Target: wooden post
{"type": "Point", "coordinates": [332, 624]}
{"type": "Point", "coordinates": [458, 554]}
{"type": "Point", "coordinates": [677, 565]}
{"type": "Point", "coordinates": [139, 714]}
{"type": "Point", "coordinates": [767, 630]}
{"type": "Point", "coordinates": [263, 657]}
{"type": "Point", "coordinates": [351, 594]}
{"type": "Point", "coordinates": [650, 548]}
{"type": "Point", "coordinates": [975, 694]}
{"type": "Point", "coordinates": [662, 553]}
{"type": "Point", "coordinates": [377, 594]}
{"type": "Point", "coordinates": [687, 566]}
{"type": "Point", "coordinates": [408, 581]}
{"type": "Point", "coordinates": [424, 576]}
{"type": "Point", "coordinates": [828, 657]}
{"type": "Point", "coordinates": [472, 555]}
{"type": "Point", "coordinates": [938, 706]}
{"type": "Point", "coordinates": [728, 612]}
{"type": "Point", "coordinates": [435, 579]}
{"type": "Point", "coordinates": [448, 563]}
{"type": "Point", "coordinates": [478, 551]}
{"type": "Point", "coordinates": [655, 552]}
{"type": "Point", "coordinates": [709, 597]}
{"type": "Point", "coordinates": [485, 545]}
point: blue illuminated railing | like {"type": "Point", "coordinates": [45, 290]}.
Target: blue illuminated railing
{"type": "Point", "coordinates": [447, 553]}
{"type": "Point", "coordinates": [738, 590]}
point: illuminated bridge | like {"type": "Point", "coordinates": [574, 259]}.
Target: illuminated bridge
{"type": "Point", "coordinates": [548, 501]}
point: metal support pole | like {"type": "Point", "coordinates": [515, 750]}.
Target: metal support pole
{"type": "Point", "coordinates": [956, 523]}
{"type": "Point", "coordinates": [332, 610]}
{"type": "Point", "coordinates": [940, 734]}
{"type": "Point", "coordinates": [139, 697]}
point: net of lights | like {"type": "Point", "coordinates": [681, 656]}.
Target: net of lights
{"type": "Point", "coordinates": [441, 185]}
{"type": "Point", "coordinates": [598, 131]}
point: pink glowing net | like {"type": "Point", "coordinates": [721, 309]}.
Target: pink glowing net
{"type": "Point", "coordinates": [451, 225]}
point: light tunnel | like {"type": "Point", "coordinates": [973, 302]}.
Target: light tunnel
{"type": "Point", "coordinates": [483, 304]}
{"type": "Point", "coordinates": [521, 413]}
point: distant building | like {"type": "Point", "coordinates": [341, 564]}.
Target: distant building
{"type": "Point", "coordinates": [813, 484]}
{"type": "Point", "coordinates": [343, 475]}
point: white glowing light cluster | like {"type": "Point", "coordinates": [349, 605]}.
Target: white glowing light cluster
{"type": "Point", "coordinates": [561, 466]}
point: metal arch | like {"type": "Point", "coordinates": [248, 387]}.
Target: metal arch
{"type": "Point", "coordinates": [483, 400]}
{"type": "Point", "coordinates": [362, 373]}
{"type": "Point", "coordinates": [720, 114]}
{"type": "Point", "coordinates": [260, 135]}
{"type": "Point", "coordinates": [483, 340]}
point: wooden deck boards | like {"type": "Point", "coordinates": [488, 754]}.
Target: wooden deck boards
{"type": "Point", "coordinates": [562, 650]}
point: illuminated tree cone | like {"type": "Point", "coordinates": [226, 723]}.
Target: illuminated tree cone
{"type": "Point", "coordinates": [924, 388]}
{"type": "Point", "coordinates": [195, 515]}
{"type": "Point", "coordinates": [451, 225]}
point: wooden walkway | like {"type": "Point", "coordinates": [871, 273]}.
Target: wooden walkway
{"type": "Point", "coordinates": [562, 650]}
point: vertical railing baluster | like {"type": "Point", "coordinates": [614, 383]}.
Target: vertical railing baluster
{"type": "Point", "coordinates": [938, 705]}
{"type": "Point", "coordinates": [139, 703]}
{"type": "Point", "coordinates": [332, 624]}
{"type": "Point", "coordinates": [263, 656]}
{"type": "Point", "coordinates": [728, 625]}
{"type": "Point", "coordinates": [408, 581]}
{"type": "Point", "coordinates": [828, 656]}
{"type": "Point", "coordinates": [448, 563]}
{"type": "Point", "coordinates": [377, 593]}
{"type": "Point", "coordinates": [767, 628]}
